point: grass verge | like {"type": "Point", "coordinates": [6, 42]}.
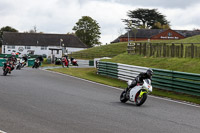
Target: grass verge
{"type": "Point", "coordinates": [49, 65]}
{"type": "Point", "coordinates": [175, 64]}
{"type": "Point", "coordinates": [90, 74]}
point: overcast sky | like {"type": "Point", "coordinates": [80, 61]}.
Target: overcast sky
{"type": "Point", "coordinates": [59, 16]}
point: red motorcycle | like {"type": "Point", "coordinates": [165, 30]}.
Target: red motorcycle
{"type": "Point", "coordinates": [7, 68]}
{"type": "Point", "coordinates": [74, 62]}
{"type": "Point", "coordinates": [65, 62]}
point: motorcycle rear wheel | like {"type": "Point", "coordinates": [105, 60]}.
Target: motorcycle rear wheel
{"type": "Point", "coordinates": [140, 100]}
{"type": "Point", "coordinates": [123, 98]}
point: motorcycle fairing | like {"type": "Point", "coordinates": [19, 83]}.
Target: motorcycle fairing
{"type": "Point", "coordinates": [133, 92]}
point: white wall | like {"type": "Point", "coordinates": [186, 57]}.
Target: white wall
{"type": "Point", "coordinates": [38, 51]}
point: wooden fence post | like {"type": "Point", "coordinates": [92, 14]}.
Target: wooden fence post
{"type": "Point", "coordinates": [182, 50]}
{"type": "Point", "coordinates": [144, 49]}
{"type": "Point", "coordinates": [157, 50]}
{"type": "Point", "coordinates": [140, 48]}
{"type": "Point", "coordinates": [164, 50]}
{"type": "Point", "coordinates": [168, 51]}
{"type": "Point", "coordinates": [192, 50]}
{"type": "Point", "coordinates": [172, 50]}
{"type": "Point", "coordinates": [151, 50]}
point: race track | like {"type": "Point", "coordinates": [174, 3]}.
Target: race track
{"type": "Point", "coordinates": [38, 101]}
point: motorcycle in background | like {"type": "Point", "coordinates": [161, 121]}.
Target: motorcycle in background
{"type": "Point", "coordinates": [65, 62]}
{"type": "Point", "coordinates": [7, 68]}
{"type": "Point", "coordinates": [36, 63]}
{"type": "Point", "coordinates": [137, 94]}
{"type": "Point", "coordinates": [20, 64]}
{"type": "Point", "coordinates": [74, 62]}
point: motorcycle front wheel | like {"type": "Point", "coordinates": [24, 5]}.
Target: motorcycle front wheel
{"type": "Point", "coordinates": [5, 72]}
{"type": "Point", "coordinates": [18, 67]}
{"type": "Point", "coordinates": [140, 100]}
{"type": "Point", "coordinates": [63, 64]}
{"type": "Point", "coordinates": [123, 98]}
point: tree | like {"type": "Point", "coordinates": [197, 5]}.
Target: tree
{"type": "Point", "coordinates": [158, 25]}
{"type": "Point", "coordinates": [7, 28]}
{"type": "Point", "coordinates": [145, 18]}
{"type": "Point", "coordinates": [88, 31]}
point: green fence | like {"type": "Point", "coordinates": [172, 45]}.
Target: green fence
{"type": "Point", "coordinates": [187, 83]}
{"type": "Point", "coordinates": [108, 69]}
{"type": "Point", "coordinates": [1, 62]}
{"type": "Point", "coordinates": [91, 63]}
{"type": "Point", "coordinates": [6, 55]}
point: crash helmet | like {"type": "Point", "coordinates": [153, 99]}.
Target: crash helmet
{"type": "Point", "coordinates": [149, 72]}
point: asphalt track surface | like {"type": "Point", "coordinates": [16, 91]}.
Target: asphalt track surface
{"type": "Point", "coordinates": [38, 101]}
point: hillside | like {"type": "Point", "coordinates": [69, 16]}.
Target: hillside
{"type": "Point", "coordinates": [112, 50]}
{"type": "Point", "coordinates": [193, 39]}
{"type": "Point", "coordinates": [175, 64]}
{"type": "Point", "coordinates": [119, 54]}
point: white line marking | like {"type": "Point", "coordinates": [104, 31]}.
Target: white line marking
{"type": "Point", "coordinates": [2, 131]}
{"type": "Point", "coordinates": [166, 99]}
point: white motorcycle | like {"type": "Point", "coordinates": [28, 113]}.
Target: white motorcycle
{"type": "Point", "coordinates": [20, 64]}
{"type": "Point", "coordinates": [137, 94]}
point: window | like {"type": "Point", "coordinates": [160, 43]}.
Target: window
{"type": "Point", "coordinates": [11, 47]}
{"type": "Point", "coordinates": [169, 34]}
{"type": "Point", "coordinates": [43, 47]}
{"type": "Point", "coordinates": [27, 47]}
{"type": "Point", "coordinates": [57, 51]}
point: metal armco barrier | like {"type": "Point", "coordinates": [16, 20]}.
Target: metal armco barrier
{"type": "Point", "coordinates": [107, 69]}
{"type": "Point", "coordinates": [120, 71]}
{"type": "Point", "coordinates": [187, 83]}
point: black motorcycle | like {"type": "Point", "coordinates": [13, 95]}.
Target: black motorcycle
{"type": "Point", "coordinates": [36, 64]}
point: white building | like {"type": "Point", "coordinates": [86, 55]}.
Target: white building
{"type": "Point", "coordinates": [51, 45]}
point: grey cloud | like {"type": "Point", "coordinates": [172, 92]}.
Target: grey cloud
{"type": "Point", "coordinates": [5, 7]}
{"type": "Point", "coordinates": [162, 3]}
{"type": "Point", "coordinates": [152, 3]}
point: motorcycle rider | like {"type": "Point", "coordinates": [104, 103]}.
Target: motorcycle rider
{"type": "Point", "coordinates": [12, 60]}
{"type": "Point", "coordinates": [65, 60]}
{"type": "Point", "coordinates": [72, 59]}
{"type": "Point", "coordinates": [12, 57]}
{"type": "Point", "coordinates": [139, 79]}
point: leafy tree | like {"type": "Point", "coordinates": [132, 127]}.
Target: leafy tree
{"type": "Point", "coordinates": [145, 18]}
{"type": "Point", "coordinates": [88, 31]}
{"type": "Point", "coordinates": [7, 28]}
{"type": "Point", "coordinates": [158, 25]}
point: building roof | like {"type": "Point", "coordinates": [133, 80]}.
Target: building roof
{"type": "Point", "coordinates": [143, 33]}
{"type": "Point", "coordinates": [40, 39]}
{"type": "Point", "coordinates": [188, 33]}
{"type": "Point", "coordinates": [148, 33]}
